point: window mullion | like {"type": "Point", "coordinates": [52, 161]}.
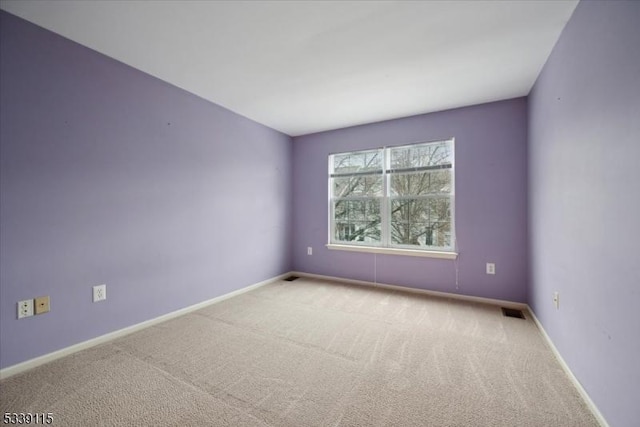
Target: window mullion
{"type": "Point", "coordinates": [385, 208]}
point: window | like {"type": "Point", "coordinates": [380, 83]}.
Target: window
{"type": "Point", "coordinates": [399, 198]}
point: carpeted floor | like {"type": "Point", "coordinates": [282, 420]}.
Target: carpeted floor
{"type": "Point", "coordinates": [312, 353]}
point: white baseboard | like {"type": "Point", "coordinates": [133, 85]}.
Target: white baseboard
{"type": "Point", "coordinates": [46, 358]}
{"type": "Point", "coordinates": [502, 303]}
{"type": "Point", "coordinates": [583, 393]}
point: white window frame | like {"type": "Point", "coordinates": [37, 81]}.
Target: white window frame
{"type": "Point", "coordinates": [385, 246]}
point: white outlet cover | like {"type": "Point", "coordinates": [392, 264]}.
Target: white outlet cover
{"type": "Point", "coordinates": [491, 268]}
{"type": "Point", "coordinates": [25, 308]}
{"type": "Point", "coordinates": [99, 293]}
{"type": "Point", "coordinates": [309, 250]}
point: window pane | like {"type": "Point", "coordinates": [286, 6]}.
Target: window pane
{"type": "Point", "coordinates": [361, 161]}
{"type": "Point", "coordinates": [420, 155]}
{"type": "Point", "coordinates": [357, 220]}
{"type": "Point", "coordinates": [424, 222]}
{"type": "Point", "coordinates": [357, 186]}
{"type": "Point", "coordinates": [421, 183]}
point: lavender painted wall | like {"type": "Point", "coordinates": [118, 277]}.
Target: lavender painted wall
{"type": "Point", "coordinates": [585, 202]}
{"type": "Point", "coordinates": [491, 201]}
{"type": "Point", "coordinates": [109, 175]}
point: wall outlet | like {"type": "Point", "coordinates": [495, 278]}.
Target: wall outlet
{"type": "Point", "coordinates": [99, 293]}
{"type": "Point", "coordinates": [491, 268]}
{"type": "Point", "coordinates": [25, 308]}
{"type": "Point", "coordinates": [556, 300]}
{"type": "Point", "coordinates": [42, 305]}
{"type": "Point", "coordinates": [309, 250]}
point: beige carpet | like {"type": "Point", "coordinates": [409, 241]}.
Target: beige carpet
{"type": "Point", "coordinates": [312, 353]}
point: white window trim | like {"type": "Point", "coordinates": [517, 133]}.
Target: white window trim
{"type": "Point", "coordinates": [395, 250]}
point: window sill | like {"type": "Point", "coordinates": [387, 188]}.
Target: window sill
{"type": "Point", "coordinates": [394, 251]}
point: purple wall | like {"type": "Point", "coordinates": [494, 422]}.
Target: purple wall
{"type": "Point", "coordinates": [585, 202]}
{"type": "Point", "coordinates": [112, 176]}
{"type": "Point", "coordinates": [491, 201]}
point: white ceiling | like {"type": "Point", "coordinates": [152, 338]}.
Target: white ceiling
{"type": "Point", "coordinates": [308, 66]}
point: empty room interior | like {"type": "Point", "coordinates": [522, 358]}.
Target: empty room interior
{"type": "Point", "coordinates": [320, 213]}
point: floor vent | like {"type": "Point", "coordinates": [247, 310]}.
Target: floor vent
{"type": "Point", "coordinates": [510, 312]}
{"type": "Point", "coordinates": [291, 278]}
